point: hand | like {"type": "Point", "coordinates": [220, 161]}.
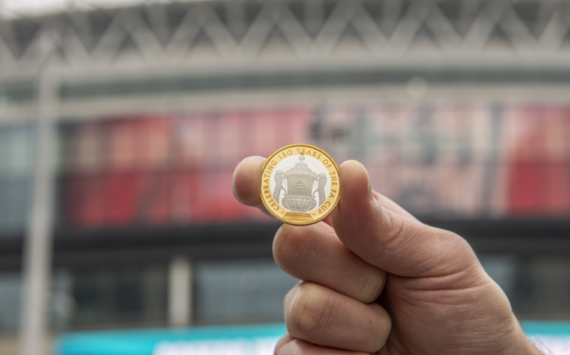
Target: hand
{"type": "Point", "coordinates": [376, 280]}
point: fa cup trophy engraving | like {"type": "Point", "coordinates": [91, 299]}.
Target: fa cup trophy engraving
{"type": "Point", "coordinates": [321, 188]}
{"type": "Point", "coordinates": [299, 197]}
{"type": "Point", "coordinates": [279, 176]}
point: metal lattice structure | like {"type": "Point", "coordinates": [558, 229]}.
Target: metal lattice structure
{"type": "Point", "coordinates": [414, 32]}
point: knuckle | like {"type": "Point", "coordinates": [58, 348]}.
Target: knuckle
{"type": "Point", "coordinates": [455, 242]}
{"type": "Point", "coordinates": [285, 245]}
{"type": "Point", "coordinates": [462, 242]}
{"type": "Point", "coordinates": [309, 312]}
{"type": "Point", "coordinates": [301, 347]}
{"type": "Point", "coordinates": [372, 286]}
{"type": "Point", "coordinates": [396, 226]}
{"type": "Point", "coordinates": [289, 298]}
{"type": "Point", "coordinates": [291, 246]}
{"type": "Point", "coordinates": [392, 230]}
{"type": "Point", "coordinates": [286, 237]}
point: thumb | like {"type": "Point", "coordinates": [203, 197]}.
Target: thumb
{"type": "Point", "coordinates": [390, 241]}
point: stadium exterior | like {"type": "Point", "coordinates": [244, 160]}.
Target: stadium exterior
{"type": "Point", "coordinates": [85, 66]}
{"type": "Point", "coordinates": [219, 52]}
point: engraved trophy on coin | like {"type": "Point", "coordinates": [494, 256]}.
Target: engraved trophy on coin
{"type": "Point", "coordinates": [299, 196]}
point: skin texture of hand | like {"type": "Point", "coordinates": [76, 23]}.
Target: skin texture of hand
{"type": "Point", "coordinates": [378, 281]}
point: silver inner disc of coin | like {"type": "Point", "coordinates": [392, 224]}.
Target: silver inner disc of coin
{"type": "Point", "coordinates": [300, 183]}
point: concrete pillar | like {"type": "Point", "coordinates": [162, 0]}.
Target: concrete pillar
{"type": "Point", "coordinates": [180, 292]}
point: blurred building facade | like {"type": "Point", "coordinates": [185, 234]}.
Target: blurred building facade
{"type": "Point", "coordinates": [458, 109]}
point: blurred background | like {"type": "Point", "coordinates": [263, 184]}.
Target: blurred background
{"type": "Point", "coordinates": [121, 122]}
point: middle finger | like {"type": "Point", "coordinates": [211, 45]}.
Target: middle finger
{"type": "Point", "coordinates": [324, 317]}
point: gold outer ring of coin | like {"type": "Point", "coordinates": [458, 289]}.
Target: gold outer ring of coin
{"type": "Point", "coordinates": [276, 209]}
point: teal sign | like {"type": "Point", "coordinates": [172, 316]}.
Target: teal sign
{"type": "Point", "coordinates": [219, 340]}
{"type": "Point", "coordinates": [547, 328]}
{"type": "Point", "coordinates": [257, 339]}
{"type": "Point", "coordinates": [549, 337]}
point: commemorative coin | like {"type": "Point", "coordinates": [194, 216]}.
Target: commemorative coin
{"type": "Point", "coordinates": [300, 184]}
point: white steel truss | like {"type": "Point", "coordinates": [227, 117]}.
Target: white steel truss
{"type": "Point", "coordinates": [445, 32]}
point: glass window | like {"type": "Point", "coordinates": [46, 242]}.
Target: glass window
{"type": "Point", "coordinates": [538, 287]}
{"type": "Point", "coordinates": [16, 161]}
{"type": "Point", "coordinates": [122, 296]}
{"type": "Point", "coordinates": [10, 301]}
{"type": "Point", "coordinates": [240, 291]}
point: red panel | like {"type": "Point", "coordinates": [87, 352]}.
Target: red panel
{"type": "Point", "coordinates": [186, 197]}
{"type": "Point", "coordinates": [123, 197]}
{"type": "Point", "coordinates": [528, 182]}
{"type": "Point", "coordinates": [527, 189]}
{"type": "Point", "coordinates": [233, 210]}
{"type": "Point", "coordinates": [217, 202]}
{"type": "Point", "coordinates": [121, 152]}
{"type": "Point", "coordinates": [563, 159]}
{"type": "Point", "coordinates": [84, 200]}
{"type": "Point", "coordinates": [294, 125]}
{"type": "Point", "coordinates": [157, 198]}
{"type": "Point", "coordinates": [557, 189]}
{"type": "Point", "coordinates": [557, 184]}
{"type": "Point", "coordinates": [154, 143]}
{"type": "Point", "coordinates": [209, 208]}
{"type": "Point", "coordinates": [191, 141]}
{"type": "Point", "coordinates": [86, 149]}
{"type": "Point", "coordinates": [248, 142]}
{"type": "Point", "coordinates": [230, 137]}
{"type": "Point", "coordinates": [264, 133]}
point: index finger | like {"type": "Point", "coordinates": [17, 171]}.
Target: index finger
{"type": "Point", "coordinates": [246, 183]}
{"type": "Point", "coordinates": [246, 186]}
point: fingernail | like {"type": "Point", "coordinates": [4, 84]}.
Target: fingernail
{"type": "Point", "coordinates": [370, 194]}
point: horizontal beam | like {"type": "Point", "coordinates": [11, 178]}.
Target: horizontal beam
{"type": "Point", "coordinates": [96, 248]}
{"type": "Point", "coordinates": [529, 236]}
{"type": "Point", "coordinates": [108, 93]}
{"type": "Point", "coordinates": [298, 79]}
